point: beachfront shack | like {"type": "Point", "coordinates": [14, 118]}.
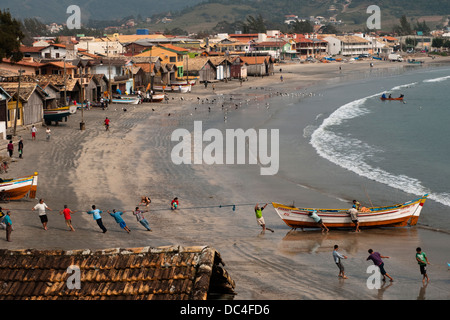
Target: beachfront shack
{"type": "Point", "coordinates": [4, 99]}
{"type": "Point", "coordinates": [203, 68]}
{"type": "Point", "coordinates": [31, 103]}
{"type": "Point", "coordinates": [238, 68]}
{"type": "Point", "coordinates": [258, 65]}
{"type": "Point", "coordinates": [165, 273]}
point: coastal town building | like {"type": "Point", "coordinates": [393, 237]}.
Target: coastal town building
{"type": "Point", "coordinates": [347, 45]}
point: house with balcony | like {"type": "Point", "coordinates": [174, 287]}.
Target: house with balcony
{"type": "Point", "coordinates": [348, 45]}
{"type": "Point", "coordinates": [310, 46]}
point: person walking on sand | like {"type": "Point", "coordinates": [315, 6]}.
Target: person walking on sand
{"type": "Point", "coordinates": [33, 132]}
{"type": "Point", "coordinates": [48, 132]}
{"type": "Point", "coordinates": [20, 147]}
{"type": "Point", "coordinates": [7, 221]}
{"type": "Point", "coordinates": [40, 207]}
{"type": "Point", "coordinates": [141, 219]}
{"type": "Point", "coordinates": [337, 256]}
{"type": "Point", "coordinates": [107, 124]}
{"type": "Point", "coordinates": [10, 148]}
{"type": "Point", "coordinates": [422, 259]}
{"type": "Point", "coordinates": [376, 257]}
{"type": "Point", "coordinates": [260, 218]}
{"type": "Point", "coordinates": [97, 217]}
{"type": "Point", "coordinates": [117, 215]}
{"type": "Point", "coordinates": [67, 216]}
{"type": "Point", "coordinates": [318, 220]}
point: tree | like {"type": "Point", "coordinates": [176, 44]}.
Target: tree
{"type": "Point", "coordinates": [422, 26]}
{"type": "Point", "coordinates": [10, 37]}
{"type": "Point", "coordinates": [329, 29]}
{"type": "Point", "coordinates": [302, 27]}
{"type": "Point", "coordinates": [404, 28]}
{"type": "Point", "coordinates": [254, 25]}
{"type": "Point", "coordinates": [437, 43]}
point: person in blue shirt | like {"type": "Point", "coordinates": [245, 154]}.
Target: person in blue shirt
{"type": "Point", "coordinates": [117, 215]}
{"type": "Point", "coordinates": [7, 221]}
{"type": "Point", "coordinates": [97, 217]}
{"type": "Point", "coordinates": [318, 220]}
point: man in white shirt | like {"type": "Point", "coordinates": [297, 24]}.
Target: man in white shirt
{"type": "Point", "coordinates": [40, 207]}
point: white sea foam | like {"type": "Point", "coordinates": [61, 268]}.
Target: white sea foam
{"type": "Point", "coordinates": [437, 79]}
{"type": "Point", "coordinates": [408, 85]}
{"type": "Point", "coordinates": [352, 154]}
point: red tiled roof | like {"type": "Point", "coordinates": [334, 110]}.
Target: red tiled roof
{"type": "Point", "coordinates": [166, 273]}
{"type": "Point", "coordinates": [23, 63]}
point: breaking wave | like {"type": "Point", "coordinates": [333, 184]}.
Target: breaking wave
{"type": "Point", "coordinates": [352, 154]}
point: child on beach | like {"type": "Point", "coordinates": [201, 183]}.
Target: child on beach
{"type": "Point", "coordinates": [117, 215]}
{"type": "Point", "coordinates": [67, 216]}
{"type": "Point", "coordinates": [422, 259]}
{"type": "Point", "coordinates": [337, 259]}
{"type": "Point", "coordinates": [33, 132]}
{"type": "Point", "coordinates": [145, 201]}
{"type": "Point", "coordinates": [174, 204]}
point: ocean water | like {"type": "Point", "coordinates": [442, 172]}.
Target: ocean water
{"type": "Point", "coordinates": [401, 145]}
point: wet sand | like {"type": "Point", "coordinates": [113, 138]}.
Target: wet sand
{"type": "Point", "coordinates": [114, 169]}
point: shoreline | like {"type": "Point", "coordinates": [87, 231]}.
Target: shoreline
{"type": "Point", "coordinates": [114, 169]}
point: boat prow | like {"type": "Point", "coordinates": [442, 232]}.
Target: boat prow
{"type": "Point", "coordinates": [398, 215]}
{"type": "Point", "coordinates": [20, 187]}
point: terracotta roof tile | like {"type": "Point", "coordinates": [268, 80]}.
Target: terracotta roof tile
{"type": "Point", "coordinates": [164, 273]}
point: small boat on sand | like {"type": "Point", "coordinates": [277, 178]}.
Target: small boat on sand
{"type": "Point", "coordinates": [398, 215]}
{"type": "Point", "coordinates": [126, 100]}
{"type": "Point", "coordinates": [20, 187]}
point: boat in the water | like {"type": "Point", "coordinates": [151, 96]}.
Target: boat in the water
{"type": "Point", "coordinates": [18, 188]}
{"type": "Point", "coordinates": [399, 98]}
{"type": "Point", "coordinates": [57, 114]}
{"type": "Point", "coordinates": [398, 215]}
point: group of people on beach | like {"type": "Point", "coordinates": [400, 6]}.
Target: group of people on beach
{"type": "Point", "coordinates": [377, 260]}
{"type": "Point", "coordinates": [41, 207]}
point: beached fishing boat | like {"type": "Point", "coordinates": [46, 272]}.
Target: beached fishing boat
{"type": "Point", "coordinates": [56, 114]}
{"type": "Point", "coordinates": [126, 100]}
{"type": "Point", "coordinates": [18, 188]}
{"type": "Point", "coordinates": [157, 98]}
{"type": "Point", "coordinates": [398, 215]}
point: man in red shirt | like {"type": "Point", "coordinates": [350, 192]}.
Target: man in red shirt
{"type": "Point", "coordinates": [67, 212]}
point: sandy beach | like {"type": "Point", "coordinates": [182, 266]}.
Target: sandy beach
{"type": "Point", "coordinates": [113, 169]}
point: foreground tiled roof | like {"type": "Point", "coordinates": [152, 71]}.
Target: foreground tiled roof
{"type": "Point", "coordinates": [165, 273]}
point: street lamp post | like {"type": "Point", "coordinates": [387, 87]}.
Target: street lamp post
{"type": "Point", "coordinates": [82, 124]}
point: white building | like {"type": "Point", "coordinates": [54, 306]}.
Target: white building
{"type": "Point", "coordinates": [103, 46]}
{"type": "Point", "coordinates": [347, 45]}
